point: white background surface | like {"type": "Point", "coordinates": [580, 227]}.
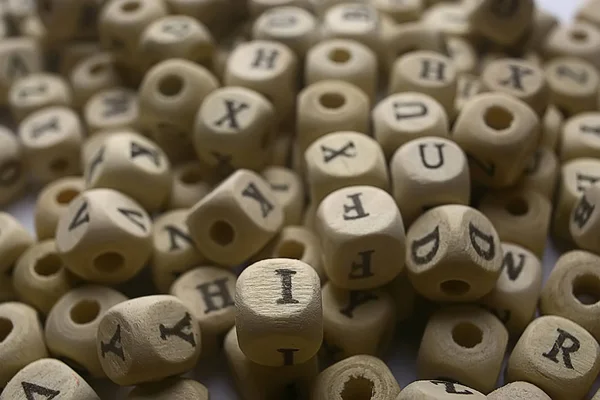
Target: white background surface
{"type": "Point", "coordinates": [401, 356]}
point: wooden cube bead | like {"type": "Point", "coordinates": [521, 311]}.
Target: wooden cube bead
{"type": "Point", "coordinates": [121, 24]}
{"type": "Point", "coordinates": [107, 213]}
{"type": "Point", "coordinates": [237, 219]}
{"type": "Point", "coordinates": [464, 55]}
{"type": "Point", "coordinates": [356, 21]}
{"type": "Point", "coordinates": [38, 91]}
{"type": "Point", "coordinates": [402, 117]}
{"type": "Point", "coordinates": [267, 67]}
{"type": "Point", "coordinates": [51, 140]}
{"type": "Point", "coordinates": [288, 188]}
{"type": "Point", "coordinates": [400, 12]}
{"type": "Point", "coordinates": [293, 26]}
{"type": "Point", "coordinates": [52, 203]}
{"type": "Point", "coordinates": [14, 240]}
{"type": "Point", "coordinates": [92, 144]}
{"type": "Point", "coordinates": [541, 174]}
{"type": "Point", "coordinates": [404, 38]}
{"type": "Point", "coordinates": [22, 340]}
{"type": "Point", "coordinates": [345, 60]}
{"type": "Point", "coordinates": [518, 391]}
{"type": "Point", "coordinates": [330, 106]}
{"type": "Point", "coordinates": [573, 85]}
{"type": "Point", "coordinates": [502, 22]}
{"type": "Point", "coordinates": [169, 97]}
{"type": "Point", "coordinates": [209, 293]}
{"type": "Point", "coordinates": [72, 323]}
{"type": "Point", "coordinates": [467, 87]}
{"type": "Point", "coordinates": [454, 254]}
{"type": "Point", "coordinates": [20, 57]}
{"type": "Point", "coordinates": [463, 344]}
{"type": "Point", "coordinates": [514, 298]}
{"type": "Point", "coordinates": [191, 183]}
{"type": "Point", "coordinates": [112, 109]}
{"type": "Point", "coordinates": [427, 72]}
{"type": "Point", "coordinates": [489, 127]}
{"type": "Point", "coordinates": [13, 177]}
{"type": "Point", "coordinates": [234, 128]}
{"type": "Point", "coordinates": [451, 19]}
{"type": "Point", "coordinates": [93, 74]}
{"type": "Point", "coordinates": [170, 389]}
{"type": "Point", "coordinates": [259, 382]}
{"type": "Point", "coordinates": [362, 237]}
{"type": "Point", "coordinates": [354, 378]}
{"type": "Point", "coordinates": [581, 136]}
{"type": "Point", "coordinates": [176, 36]}
{"type": "Point", "coordinates": [130, 163]}
{"type": "Point", "coordinates": [439, 390]}
{"type": "Point", "coordinates": [173, 251]}
{"type": "Point", "coordinates": [48, 378]}
{"type": "Point", "coordinates": [556, 355]}
{"type": "Point", "coordinates": [518, 78]}
{"type": "Point", "coordinates": [279, 317]}
{"type": "Point", "coordinates": [578, 39]}
{"type": "Point", "coordinates": [342, 159]}
{"type": "Point", "coordinates": [369, 315]}
{"type": "Point", "coordinates": [39, 277]}
{"type": "Point", "coordinates": [147, 339]}
{"type": "Point", "coordinates": [428, 172]}
{"type": "Point", "coordinates": [583, 223]}
{"type": "Point", "coordinates": [73, 53]}
{"type": "Point", "coordinates": [575, 177]}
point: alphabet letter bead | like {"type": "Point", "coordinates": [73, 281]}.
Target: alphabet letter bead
{"type": "Point", "coordinates": [279, 316]}
{"type": "Point", "coordinates": [454, 254]}
{"type": "Point", "coordinates": [429, 172]}
{"type": "Point", "coordinates": [356, 377]}
{"type": "Point", "coordinates": [190, 185]}
{"type": "Point", "coordinates": [22, 340]}
{"type": "Point", "coordinates": [234, 128]}
{"type": "Point", "coordinates": [542, 173]}
{"type": "Point", "coordinates": [518, 391]}
{"type": "Point", "coordinates": [73, 322]}
{"type": "Point", "coordinates": [48, 378]}
{"type": "Point", "coordinates": [111, 110]}
{"type": "Point", "coordinates": [353, 20]}
{"type": "Point", "coordinates": [463, 344]}
{"type": "Point", "coordinates": [578, 39]}
{"type": "Point", "coordinates": [12, 167]}
{"type": "Point", "coordinates": [237, 219]}
{"type": "Point", "coordinates": [556, 355]}
{"type": "Point", "coordinates": [369, 315]}
{"type": "Point", "coordinates": [174, 252]}
{"type": "Point", "coordinates": [267, 67]}
{"type": "Point", "coordinates": [170, 389]}
{"type": "Point", "coordinates": [492, 126]}
{"type": "Point", "coordinates": [514, 298]}
{"type": "Point", "coordinates": [51, 140]}
{"type": "Point", "coordinates": [439, 390]}
{"type": "Point", "coordinates": [209, 293]}
{"type": "Point", "coordinates": [147, 339]}
{"type": "Point", "coordinates": [37, 91]}
{"type": "Point", "coordinates": [52, 203]}
{"type": "Point", "coordinates": [92, 75]}
{"type": "Point", "coordinates": [584, 220]}
{"type": "Point", "coordinates": [362, 235]}
{"type": "Point", "coordinates": [502, 22]}
{"type": "Point", "coordinates": [126, 229]}
{"type": "Point", "coordinates": [20, 57]}
{"type": "Point", "coordinates": [288, 189]}
{"type": "Point", "coordinates": [573, 85]}
{"type": "Point", "coordinates": [426, 72]}
{"type": "Point", "coordinates": [581, 137]}
{"type": "Point", "coordinates": [342, 159]}
{"type": "Point", "coordinates": [131, 164]}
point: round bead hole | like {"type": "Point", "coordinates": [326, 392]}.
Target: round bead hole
{"type": "Point", "coordinates": [332, 101]}
{"type": "Point", "coordinates": [222, 233]}
{"type": "Point", "coordinates": [579, 35]}
{"type": "Point", "coordinates": [6, 327]}
{"type": "Point", "coordinates": [291, 249]}
{"type": "Point", "coordinates": [190, 177]}
{"type": "Point", "coordinates": [340, 55]}
{"type": "Point", "coordinates": [467, 335]}
{"type": "Point", "coordinates": [109, 262]}
{"type": "Point", "coordinates": [85, 311]}
{"type": "Point", "coordinates": [455, 287]}
{"type": "Point", "coordinates": [98, 68]}
{"type": "Point", "coordinates": [48, 265]}
{"type": "Point", "coordinates": [498, 118]}
{"type": "Point", "coordinates": [170, 85]}
{"type": "Point", "coordinates": [586, 289]}
{"type": "Point", "coordinates": [130, 6]}
{"type": "Point", "coordinates": [517, 207]}
{"type": "Point", "coordinates": [358, 388]}
{"type": "Point", "coordinates": [64, 197]}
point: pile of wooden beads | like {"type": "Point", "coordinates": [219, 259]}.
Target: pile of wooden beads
{"type": "Point", "coordinates": [292, 185]}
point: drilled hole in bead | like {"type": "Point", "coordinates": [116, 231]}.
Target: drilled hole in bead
{"type": "Point", "coordinates": [65, 196]}
{"type": "Point", "coordinates": [170, 85]}
{"type": "Point", "coordinates": [59, 165]}
{"type": "Point", "coordinates": [358, 388]}
{"type": "Point", "coordinates": [190, 177]}
{"type": "Point", "coordinates": [98, 68]}
{"type": "Point", "coordinates": [131, 6]}
{"type": "Point", "coordinates": [222, 233]}
{"type": "Point", "coordinates": [85, 311]}
{"type": "Point", "coordinates": [291, 249]}
{"type": "Point", "coordinates": [517, 206]}
{"type": "Point", "coordinates": [586, 289]}
{"type": "Point", "coordinates": [48, 265]}
{"type": "Point", "coordinates": [6, 327]}
{"type": "Point", "coordinates": [455, 287]}
{"type": "Point", "coordinates": [109, 262]}
{"type": "Point", "coordinates": [498, 118]}
{"type": "Point", "coordinates": [332, 100]}
{"type": "Point", "coordinates": [340, 55]}
{"type": "Point", "coordinates": [467, 335]}
{"type": "Point", "coordinates": [579, 35]}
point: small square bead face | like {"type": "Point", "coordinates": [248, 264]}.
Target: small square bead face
{"type": "Point", "coordinates": [112, 109]}
{"type": "Point", "coordinates": [502, 22]}
{"type": "Point", "coordinates": [573, 85]}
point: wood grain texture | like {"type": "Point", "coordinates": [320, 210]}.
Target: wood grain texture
{"type": "Point", "coordinates": [439, 390]}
